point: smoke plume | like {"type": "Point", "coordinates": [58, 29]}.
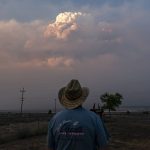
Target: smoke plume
{"type": "Point", "coordinates": [64, 24]}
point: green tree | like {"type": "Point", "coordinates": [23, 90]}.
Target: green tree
{"type": "Point", "coordinates": [111, 101]}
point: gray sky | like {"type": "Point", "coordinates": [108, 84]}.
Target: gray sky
{"type": "Point", "coordinates": [44, 44]}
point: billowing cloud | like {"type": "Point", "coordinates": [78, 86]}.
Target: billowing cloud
{"type": "Point", "coordinates": [60, 61]}
{"type": "Point", "coordinates": [51, 62]}
{"type": "Point", "coordinates": [14, 37]}
{"type": "Point", "coordinates": [108, 48]}
{"type": "Point", "coordinates": [36, 42]}
{"type": "Point", "coordinates": [64, 24]}
{"type": "Point", "coordinates": [24, 43]}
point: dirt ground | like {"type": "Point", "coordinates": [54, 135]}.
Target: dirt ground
{"type": "Point", "coordinates": [128, 132]}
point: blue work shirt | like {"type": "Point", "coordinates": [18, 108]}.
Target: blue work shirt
{"type": "Point", "coordinates": [76, 129]}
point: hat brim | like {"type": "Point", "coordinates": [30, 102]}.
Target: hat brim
{"type": "Point", "coordinates": [75, 103]}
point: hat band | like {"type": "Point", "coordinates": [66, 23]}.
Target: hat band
{"type": "Point", "coordinates": [73, 96]}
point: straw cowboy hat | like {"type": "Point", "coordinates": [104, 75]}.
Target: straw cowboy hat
{"type": "Point", "coordinates": [73, 95]}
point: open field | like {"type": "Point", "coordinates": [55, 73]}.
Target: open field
{"type": "Point", "coordinates": [128, 132]}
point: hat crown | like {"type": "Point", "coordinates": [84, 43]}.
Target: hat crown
{"type": "Point", "coordinates": [73, 90]}
{"type": "Point", "coordinates": [73, 95]}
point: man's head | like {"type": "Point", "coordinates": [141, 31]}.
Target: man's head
{"type": "Point", "coordinates": [73, 95]}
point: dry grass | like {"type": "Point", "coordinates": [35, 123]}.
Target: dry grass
{"type": "Point", "coordinates": [128, 132]}
{"type": "Point", "coordinates": [22, 130]}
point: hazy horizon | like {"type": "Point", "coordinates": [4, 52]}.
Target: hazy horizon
{"type": "Point", "coordinates": [102, 43]}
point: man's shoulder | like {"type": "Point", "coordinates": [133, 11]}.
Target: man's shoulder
{"type": "Point", "coordinates": [82, 111]}
{"type": "Point", "coordinates": [62, 112]}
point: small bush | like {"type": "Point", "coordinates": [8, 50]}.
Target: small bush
{"type": "Point", "coordinates": [128, 112]}
{"type": "Point", "coordinates": [27, 132]}
{"type": "Point", "coordinates": [5, 139]}
{"type": "Point", "coordinates": [23, 133]}
{"type": "Point", "coordinates": [50, 111]}
{"type": "Point", "coordinates": [145, 112]}
{"type": "Point", "coordinates": [2, 140]}
{"type": "Point", "coordinates": [40, 131]}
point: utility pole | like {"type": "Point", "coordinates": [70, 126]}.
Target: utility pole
{"type": "Point", "coordinates": [22, 98]}
{"type": "Point", "coordinates": [55, 104]}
